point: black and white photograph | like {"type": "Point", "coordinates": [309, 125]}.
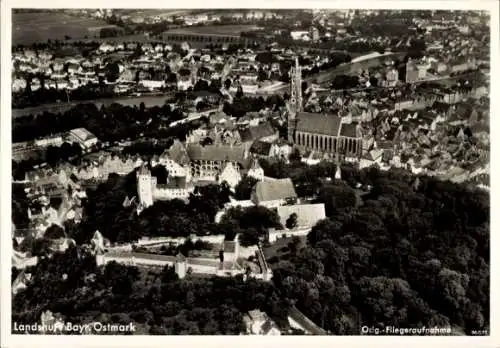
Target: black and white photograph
{"type": "Point", "coordinates": [249, 171]}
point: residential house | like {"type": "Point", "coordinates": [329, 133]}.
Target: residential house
{"type": "Point", "coordinates": [264, 132]}
{"type": "Point", "coordinates": [370, 158]}
{"type": "Point", "coordinates": [261, 149]}
{"type": "Point", "coordinates": [153, 84]}
{"type": "Point", "coordinates": [55, 140]}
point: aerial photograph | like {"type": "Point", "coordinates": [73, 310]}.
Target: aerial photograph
{"type": "Point", "coordinates": [250, 172]}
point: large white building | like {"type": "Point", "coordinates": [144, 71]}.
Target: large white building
{"type": "Point", "coordinates": [83, 137]}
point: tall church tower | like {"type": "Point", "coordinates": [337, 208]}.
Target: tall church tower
{"type": "Point", "coordinates": [145, 187]}
{"type": "Point", "coordinates": [295, 104]}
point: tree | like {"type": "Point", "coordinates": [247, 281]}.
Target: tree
{"type": "Point", "coordinates": [337, 197]}
{"type": "Point", "coordinates": [291, 222]}
{"type": "Point", "coordinates": [65, 151]}
{"type": "Point", "coordinates": [112, 72]}
{"type": "Point", "coordinates": [294, 244]}
{"type": "Point", "coordinates": [243, 189]}
{"type": "Point", "coordinates": [265, 57]}
{"type": "Point", "coordinates": [295, 156]}
{"type": "Point", "coordinates": [239, 92]}
{"type": "Point", "coordinates": [262, 76]}
{"type": "Point", "coordinates": [161, 174]}
{"type": "Point", "coordinates": [54, 232]}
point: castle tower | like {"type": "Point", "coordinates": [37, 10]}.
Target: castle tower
{"type": "Point", "coordinates": [145, 187]}
{"type": "Point", "coordinates": [295, 104]}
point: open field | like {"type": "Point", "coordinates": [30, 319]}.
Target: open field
{"type": "Point", "coordinates": [223, 30]}
{"type": "Point", "coordinates": [28, 28]}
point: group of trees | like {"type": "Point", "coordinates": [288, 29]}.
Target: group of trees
{"type": "Point", "coordinates": [114, 122]}
{"type": "Point", "coordinates": [410, 252]}
{"type": "Point", "coordinates": [43, 95]}
{"type": "Point", "coordinates": [110, 32]}
{"type": "Point", "coordinates": [243, 104]}
{"type": "Point", "coordinates": [345, 82]}
{"type": "Point", "coordinates": [250, 223]}
{"type": "Point", "coordinates": [65, 152]}
{"type": "Point", "coordinates": [20, 204]}
{"type": "Point", "coordinates": [71, 285]}
{"type": "Point", "coordinates": [174, 218]}
{"type": "Point", "coordinates": [146, 148]}
{"type": "Point", "coordinates": [185, 248]}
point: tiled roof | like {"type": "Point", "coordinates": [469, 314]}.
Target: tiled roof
{"type": "Point", "coordinates": [216, 153]}
{"type": "Point", "coordinates": [318, 123]}
{"type": "Point", "coordinates": [262, 148]}
{"type": "Point", "coordinates": [374, 154]}
{"type": "Point", "coordinates": [82, 134]}
{"type": "Point", "coordinates": [274, 190]}
{"type": "Point", "coordinates": [257, 132]}
{"type": "Point", "coordinates": [349, 130]}
{"type": "Point", "coordinates": [178, 153]}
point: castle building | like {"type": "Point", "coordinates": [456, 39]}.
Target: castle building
{"type": "Point", "coordinates": [148, 190]}
{"type": "Point", "coordinates": [207, 162]}
{"type": "Point", "coordinates": [323, 133]}
{"type": "Point", "coordinates": [145, 186]}
{"type": "Point", "coordinates": [189, 165]}
{"type": "Point", "coordinates": [226, 265]}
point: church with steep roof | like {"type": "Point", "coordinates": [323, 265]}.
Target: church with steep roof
{"type": "Point", "coordinates": [323, 133]}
